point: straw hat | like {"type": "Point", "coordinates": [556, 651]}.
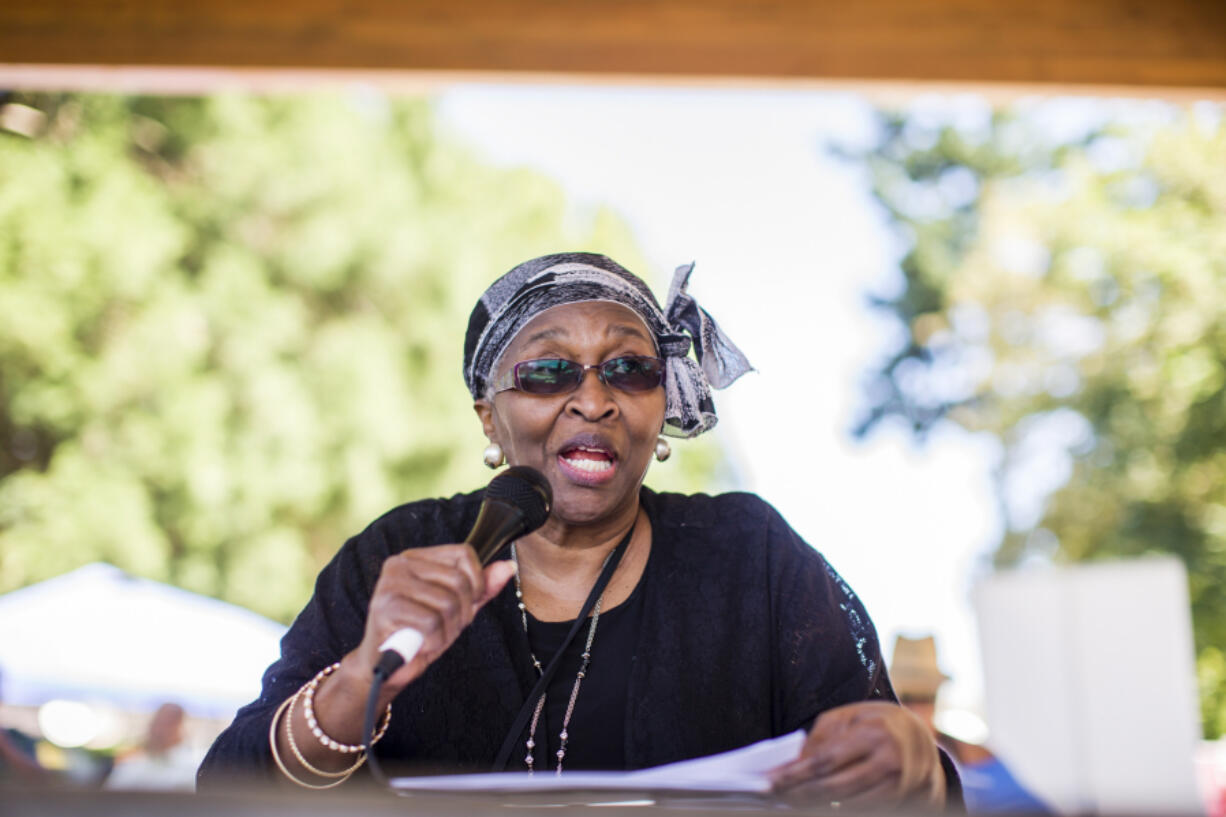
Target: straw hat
{"type": "Point", "coordinates": [913, 670]}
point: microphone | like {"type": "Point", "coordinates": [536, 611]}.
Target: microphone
{"type": "Point", "coordinates": [516, 502]}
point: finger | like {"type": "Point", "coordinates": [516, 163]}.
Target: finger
{"type": "Point", "coordinates": [794, 773]}
{"type": "Point", "coordinates": [454, 611]}
{"type": "Point", "coordinates": [402, 613]}
{"type": "Point", "coordinates": [828, 726]}
{"type": "Point", "coordinates": [456, 559]}
{"type": "Point", "coordinates": [844, 786]}
{"type": "Point", "coordinates": [440, 587]}
{"type": "Point", "coordinates": [496, 577]}
{"type": "Point", "coordinates": [850, 746]}
{"type": "Point", "coordinates": [828, 756]}
{"type": "Point", "coordinates": [860, 777]}
{"type": "Point", "coordinates": [804, 766]}
{"type": "Point", "coordinates": [462, 557]}
{"type": "Point", "coordinates": [447, 576]}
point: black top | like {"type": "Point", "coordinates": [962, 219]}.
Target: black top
{"type": "Point", "coordinates": [745, 633]}
{"type": "Point", "coordinates": [596, 737]}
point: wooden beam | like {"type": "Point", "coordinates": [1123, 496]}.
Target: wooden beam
{"type": "Point", "coordinates": [1171, 43]}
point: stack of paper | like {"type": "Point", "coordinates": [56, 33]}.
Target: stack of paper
{"type": "Point", "coordinates": [742, 770]}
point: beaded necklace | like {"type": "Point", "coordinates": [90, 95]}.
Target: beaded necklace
{"type": "Point", "coordinates": [564, 735]}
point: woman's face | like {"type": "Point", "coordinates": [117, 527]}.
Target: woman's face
{"type": "Point", "coordinates": [593, 444]}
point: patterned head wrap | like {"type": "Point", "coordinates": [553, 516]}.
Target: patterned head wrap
{"type": "Point", "coordinates": [566, 278]}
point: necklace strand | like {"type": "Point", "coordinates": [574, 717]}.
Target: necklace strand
{"type": "Point", "coordinates": [564, 735]}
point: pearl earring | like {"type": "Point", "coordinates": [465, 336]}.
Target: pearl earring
{"type": "Point", "coordinates": [663, 449]}
{"type": "Point", "coordinates": [493, 455]}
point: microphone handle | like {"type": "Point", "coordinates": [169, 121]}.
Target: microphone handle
{"type": "Point", "coordinates": [497, 523]}
{"type": "Point", "coordinates": [400, 648]}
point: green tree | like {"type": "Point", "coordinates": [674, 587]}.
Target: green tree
{"type": "Point", "coordinates": [231, 329]}
{"type": "Point", "coordinates": [1065, 296]}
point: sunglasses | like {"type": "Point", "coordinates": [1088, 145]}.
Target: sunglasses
{"type": "Point", "coordinates": [553, 375]}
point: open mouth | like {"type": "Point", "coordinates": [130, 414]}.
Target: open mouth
{"type": "Point", "coordinates": [588, 462]}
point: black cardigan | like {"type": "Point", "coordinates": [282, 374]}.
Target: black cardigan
{"type": "Point", "coordinates": [747, 633]}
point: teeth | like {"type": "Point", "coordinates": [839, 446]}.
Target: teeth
{"type": "Point", "coordinates": [590, 465]}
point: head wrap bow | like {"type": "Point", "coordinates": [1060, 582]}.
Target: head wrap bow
{"type": "Point", "coordinates": [552, 280]}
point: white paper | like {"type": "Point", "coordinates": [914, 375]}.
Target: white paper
{"type": "Point", "coordinates": [742, 770]}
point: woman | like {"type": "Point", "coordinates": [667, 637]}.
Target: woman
{"type": "Point", "coordinates": [717, 627]}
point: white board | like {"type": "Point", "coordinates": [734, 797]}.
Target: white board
{"type": "Point", "coordinates": [1091, 685]}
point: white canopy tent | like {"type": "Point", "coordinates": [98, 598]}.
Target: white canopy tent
{"type": "Point", "coordinates": [98, 634]}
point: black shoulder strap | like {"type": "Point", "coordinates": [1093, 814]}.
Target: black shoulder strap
{"type": "Point", "coordinates": [542, 683]}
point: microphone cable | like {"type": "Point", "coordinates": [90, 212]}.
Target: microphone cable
{"type": "Point", "coordinates": [389, 662]}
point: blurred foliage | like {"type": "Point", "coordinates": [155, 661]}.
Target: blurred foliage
{"type": "Point", "coordinates": [231, 329]}
{"type": "Point", "coordinates": [1064, 294]}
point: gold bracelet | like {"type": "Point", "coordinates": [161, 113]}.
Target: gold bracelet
{"type": "Point", "coordinates": [293, 746]}
{"type": "Point", "coordinates": [276, 756]}
{"type": "Point", "coordinates": [308, 711]}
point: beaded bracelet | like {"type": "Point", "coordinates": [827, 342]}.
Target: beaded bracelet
{"type": "Point", "coordinates": [308, 710]}
{"type": "Point", "coordinates": [276, 756]}
{"type": "Point", "coordinates": [343, 774]}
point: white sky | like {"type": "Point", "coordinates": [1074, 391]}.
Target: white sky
{"type": "Point", "coordinates": [788, 243]}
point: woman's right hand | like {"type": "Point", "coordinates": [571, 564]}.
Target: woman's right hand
{"type": "Point", "coordinates": [436, 591]}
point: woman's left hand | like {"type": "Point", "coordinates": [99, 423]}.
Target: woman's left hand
{"type": "Point", "coordinates": [871, 753]}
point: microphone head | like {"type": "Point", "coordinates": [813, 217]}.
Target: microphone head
{"type": "Point", "coordinates": [526, 489]}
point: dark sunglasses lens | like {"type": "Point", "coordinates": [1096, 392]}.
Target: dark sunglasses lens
{"type": "Point", "coordinates": [633, 373]}
{"type": "Point", "coordinates": [547, 376]}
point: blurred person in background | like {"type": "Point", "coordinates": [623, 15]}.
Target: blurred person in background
{"type": "Point", "coordinates": [164, 761]}
{"type": "Point", "coordinates": [987, 784]}
{"type": "Point", "coordinates": [17, 758]}
{"type": "Point", "coordinates": [18, 761]}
